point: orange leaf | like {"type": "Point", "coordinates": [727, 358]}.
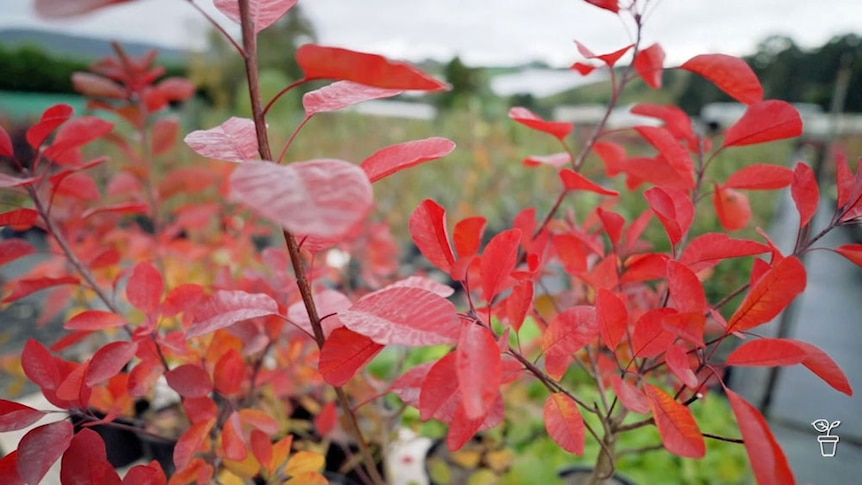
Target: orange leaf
{"type": "Point", "coordinates": [770, 295]}
{"type": "Point", "coordinates": [676, 425]}
{"type": "Point", "coordinates": [564, 423]}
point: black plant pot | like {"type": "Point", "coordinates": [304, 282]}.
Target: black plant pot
{"type": "Point", "coordinates": [580, 474]}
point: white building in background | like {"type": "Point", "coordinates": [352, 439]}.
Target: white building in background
{"type": "Point", "coordinates": [541, 83]}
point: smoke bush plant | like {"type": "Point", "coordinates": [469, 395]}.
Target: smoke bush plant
{"type": "Point", "coordinates": [240, 338]}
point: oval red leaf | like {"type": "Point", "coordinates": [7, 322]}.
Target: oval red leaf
{"type": "Point", "coordinates": [404, 316]}
{"type": "Point", "coordinates": [677, 360]}
{"type": "Point", "coordinates": [224, 308]}
{"type": "Point", "coordinates": [229, 372]}
{"type": "Point", "coordinates": [190, 380]}
{"type": "Point", "coordinates": [805, 193]}
{"type": "Point", "coordinates": [15, 416]}
{"type": "Point", "coordinates": [108, 361]}
{"type": "Point", "coordinates": [478, 369]}
{"type": "Point", "coordinates": [320, 198]}
{"type": "Point", "coordinates": [732, 207]}
{"type": "Point", "coordinates": [824, 367]}
{"type": "Point", "coordinates": [767, 459]}
{"type": "Point", "coordinates": [95, 320]}
{"type": "Point", "coordinates": [398, 157]}
{"type": "Point", "coordinates": [564, 423]}
{"type": "Point", "coordinates": [676, 425]}
{"type": "Point", "coordinates": [772, 293]}
{"type": "Point", "coordinates": [649, 64]}
{"type": "Point", "coordinates": [40, 448]}
{"type": "Point", "coordinates": [342, 94]}
{"type": "Point", "coordinates": [145, 287]}
{"type": "Point", "coordinates": [498, 262]}
{"type": "Point", "coordinates": [768, 352]}
{"type": "Point", "coordinates": [319, 62]}
{"type": "Point", "coordinates": [429, 233]}
{"type": "Point", "coordinates": [344, 353]}
{"type": "Point", "coordinates": [574, 181]}
{"type": "Point", "coordinates": [730, 74]}
{"type": "Point", "coordinates": [263, 13]}
{"type": "Point", "coordinates": [631, 397]}
{"type": "Point", "coordinates": [558, 129]}
{"type": "Point", "coordinates": [760, 176]}
{"type": "Point", "coordinates": [235, 140]}
{"type": "Point", "coordinates": [86, 461]}
{"type": "Point", "coordinates": [764, 121]}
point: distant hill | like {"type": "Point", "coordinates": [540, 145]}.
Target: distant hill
{"type": "Point", "coordinates": [82, 47]}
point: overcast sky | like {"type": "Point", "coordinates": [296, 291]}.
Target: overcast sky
{"type": "Point", "coordinates": [487, 31]}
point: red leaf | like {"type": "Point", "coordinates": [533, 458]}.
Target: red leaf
{"type": "Point", "coordinates": [28, 286]}
{"type": "Point", "coordinates": [322, 198]}
{"type": "Point", "coordinates": [19, 219]}
{"type": "Point", "coordinates": [583, 69]}
{"type": "Point", "coordinates": [768, 352]}
{"type": "Point", "coordinates": [190, 442]}
{"type": "Point", "coordinates": [609, 59]}
{"type": "Point", "coordinates": [68, 8]}
{"type": "Point", "coordinates": [108, 361]}
{"type": "Point", "coordinates": [569, 332]}
{"type": "Point", "coordinates": [574, 181]}
{"type": "Point", "coordinates": [557, 160]}
{"type": "Point", "coordinates": [649, 64]}
{"type": "Point", "coordinates": [498, 262]}
{"type": "Point", "coordinates": [326, 419]}
{"type": "Point", "coordinates": [677, 360]}
{"type": "Point", "coordinates": [478, 369]}
{"type": "Point", "coordinates": [145, 287]}
{"type": "Point", "coordinates": [529, 119]}
{"type": "Point", "coordinates": [760, 176]}
{"type": "Point", "coordinates": [12, 249]}
{"type": "Point", "coordinates": [182, 298]}
{"type": "Point", "coordinates": [263, 13]}
{"type": "Point", "coordinates": [52, 117]}
{"type": "Point", "coordinates": [151, 474]}
{"type": "Point", "coordinates": [7, 181]}
{"type": "Point", "coordinates": [612, 5]}
{"type": "Point", "coordinates": [235, 140]}
{"type": "Point", "coordinates": [398, 157]}
{"type": "Point", "coordinates": [40, 448]}
{"type": "Point", "coordinates": [613, 155]}
{"type": "Point", "coordinates": [440, 397]}
{"type": "Point", "coordinates": [767, 459]}
{"type": "Point", "coordinates": [732, 208]}
{"type": "Point", "coordinates": [429, 233]}
{"type": "Point", "coordinates": [404, 316]}
{"type": "Point", "coordinates": [707, 250]}
{"type": "Point", "coordinates": [564, 423]}
{"type": "Point", "coordinates": [519, 304]}
{"type": "Point", "coordinates": [462, 428]}
{"type": "Point", "coordinates": [232, 441]}
{"type": "Point", "coordinates": [687, 326]}
{"type": "Point", "coordinates": [409, 386]}
{"type": "Point", "coordinates": [468, 236]}
{"type": "Point", "coordinates": [853, 252]}
{"type": "Point", "coordinates": [9, 469]}
{"type": "Point", "coordinates": [342, 94]}
{"type": "Point", "coordinates": [764, 121]}
{"type": "Point", "coordinates": [165, 133]}
{"type": "Point", "coordinates": [846, 183]}
{"type": "Point", "coordinates": [229, 372]}
{"type": "Point", "coordinates": [319, 62]}
{"type": "Point", "coordinates": [673, 208]}
{"type": "Point", "coordinates": [673, 152]}
{"type": "Point", "coordinates": [730, 74]}
{"type": "Point", "coordinates": [685, 288]}
{"type": "Point", "coordinates": [86, 461]}
{"type": "Point", "coordinates": [261, 447]}
{"type": "Point", "coordinates": [824, 367]}
{"type": "Point", "coordinates": [345, 353]}
{"type": "Point", "coordinates": [612, 316]}
{"type": "Point", "coordinates": [631, 397]}
{"type": "Point", "coordinates": [75, 134]}
{"type": "Point", "coordinates": [805, 192]}
{"type": "Point", "coordinates": [771, 294]}
{"type": "Point", "coordinates": [224, 308]}
{"type": "Point", "coordinates": [675, 119]}
{"type": "Point", "coordinates": [650, 337]}
{"type": "Point", "coordinates": [676, 425]}
{"type": "Point", "coordinates": [14, 416]}
{"type": "Point", "coordinates": [190, 380]}
{"type": "Point", "coordinates": [76, 185]}
{"type": "Point", "coordinates": [95, 86]}
{"type": "Point", "coordinates": [6, 149]}
{"type": "Point", "coordinates": [95, 320]}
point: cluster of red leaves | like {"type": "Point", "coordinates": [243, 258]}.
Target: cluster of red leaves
{"type": "Point", "coordinates": [639, 317]}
